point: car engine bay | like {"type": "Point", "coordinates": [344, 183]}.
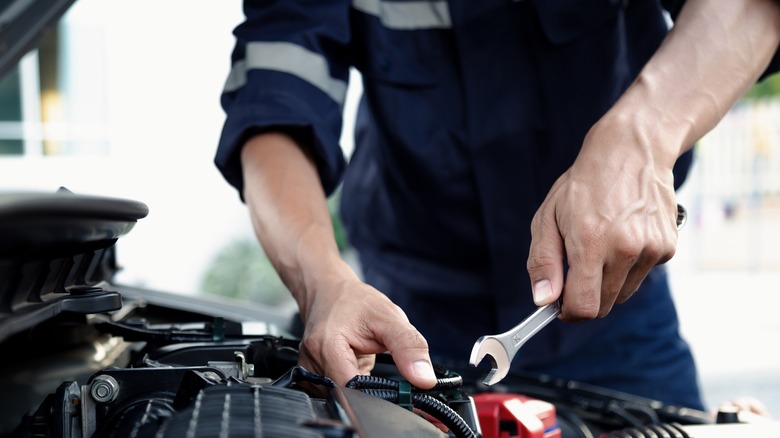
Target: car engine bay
{"type": "Point", "coordinates": [87, 358]}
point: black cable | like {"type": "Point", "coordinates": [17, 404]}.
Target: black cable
{"type": "Point", "coordinates": [651, 415]}
{"type": "Point", "coordinates": [623, 414]}
{"type": "Point", "coordinates": [447, 383]}
{"type": "Point", "coordinates": [432, 407]}
{"type": "Point", "coordinates": [299, 374]}
{"type": "Point", "coordinates": [566, 415]}
{"type": "Point", "coordinates": [672, 430]}
{"type": "Point", "coordinates": [454, 422]}
{"type": "Point", "coordinates": [372, 382]}
{"type": "Point", "coordinates": [375, 382]}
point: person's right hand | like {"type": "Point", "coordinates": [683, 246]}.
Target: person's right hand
{"type": "Point", "coordinates": [348, 323]}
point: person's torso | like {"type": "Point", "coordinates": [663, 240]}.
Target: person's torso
{"type": "Point", "coordinates": [469, 115]}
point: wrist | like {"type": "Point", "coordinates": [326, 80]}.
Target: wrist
{"type": "Point", "coordinates": [322, 276]}
{"type": "Point", "coordinates": [646, 129]}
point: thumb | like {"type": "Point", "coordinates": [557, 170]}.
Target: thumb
{"type": "Point", "coordinates": [545, 258]}
{"type": "Point", "coordinates": [410, 354]}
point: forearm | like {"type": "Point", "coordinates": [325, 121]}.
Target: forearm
{"type": "Point", "coordinates": [715, 52]}
{"type": "Point", "coordinates": [612, 215]}
{"type": "Point", "coordinates": [290, 216]}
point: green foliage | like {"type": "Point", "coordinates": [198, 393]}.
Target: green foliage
{"type": "Point", "coordinates": [335, 217]}
{"type": "Point", "coordinates": [766, 89]}
{"type": "Point", "coordinates": [242, 271]}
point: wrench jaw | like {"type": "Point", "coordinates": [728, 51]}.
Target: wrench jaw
{"type": "Point", "coordinates": [502, 348]}
{"type": "Point", "coordinates": [492, 349]}
{"type": "Point", "coordinates": [496, 374]}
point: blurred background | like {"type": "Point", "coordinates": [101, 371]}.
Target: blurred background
{"type": "Point", "coordinates": [122, 100]}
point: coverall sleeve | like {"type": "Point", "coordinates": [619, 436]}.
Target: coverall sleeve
{"type": "Point", "coordinates": [290, 68]}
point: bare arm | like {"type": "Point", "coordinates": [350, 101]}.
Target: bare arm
{"type": "Point", "coordinates": [612, 214]}
{"type": "Point", "coordinates": [346, 321]}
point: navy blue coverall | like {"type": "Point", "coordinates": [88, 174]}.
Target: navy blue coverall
{"type": "Point", "coordinates": [471, 110]}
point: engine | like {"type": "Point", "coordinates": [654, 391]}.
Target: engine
{"type": "Point", "coordinates": [83, 357]}
{"type": "Point", "coordinates": [151, 370]}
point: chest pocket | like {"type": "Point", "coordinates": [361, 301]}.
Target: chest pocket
{"type": "Point", "coordinates": [564, 21]}
{"type": "Point", "coordinates": [400, 43]}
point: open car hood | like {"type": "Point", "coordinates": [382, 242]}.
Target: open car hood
{"type": "Point", "coordinates": [54, 247]}
{"type": "Point", "coordinates": [22, 25]}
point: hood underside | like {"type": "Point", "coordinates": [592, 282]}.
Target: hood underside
{"type": "Point", "coordinates": [54, 247]}
{"type": "Point", "coordinates": [22, 25]}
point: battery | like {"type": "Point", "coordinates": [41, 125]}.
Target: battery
{"type": "Point", "coordinates": [504, 415]}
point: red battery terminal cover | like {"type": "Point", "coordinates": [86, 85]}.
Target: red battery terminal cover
{"type": "Point", "coordinates": [515, 416]}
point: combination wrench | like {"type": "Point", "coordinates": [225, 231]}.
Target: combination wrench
{"type": "Point", "coordinates": [501, 349]}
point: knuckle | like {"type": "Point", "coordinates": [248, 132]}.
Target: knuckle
{"type": "Point", "coordinates": [310, 344]}
{"type": "Point", "coordinates": [536, 223]}
{"type": "Point", "coordinates": [589, 312]}
{"type": "Point", "coordinates": [410, 338]}
{"type": "Point", "coordinates": [668, 251]}
{"type": "Point", "coordinates": [660, 253]}
{"type": "Point", "coordinates": [540, 219]}
{"type": "Point", "coordinates": [628, 248]}
{"type": "Point", "coordinates": [394, 313]}
{"type": "Point", "coordinates": [627, 257]}
{"type": "Point", "coordinates": [590, 231]}
{"type": "Point", "coordinates": [654, 252]}
{"type": "Point", "coordinates": [587, 240]}
{"type": "Point", "coordinates": [583, 310]}
{"type": "Point", "coordinates": [308, 356]}
{"type": "Point", "coordinates": [539, 261]}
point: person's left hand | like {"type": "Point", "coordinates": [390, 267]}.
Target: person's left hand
{"type": "Point", "coordinates": [611, 217]}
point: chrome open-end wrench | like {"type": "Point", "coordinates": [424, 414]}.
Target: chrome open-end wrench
{"type": "Point", "coordinates": [501, 349]}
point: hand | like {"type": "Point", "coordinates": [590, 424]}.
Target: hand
{"type": "Point", "coordinates": [348, 324]}
{"type": "Point", "coordinates": [611, 216]}
{"type": "Point", "coordinates": [346, 321]}
{"type": "Point", "coordinates": [748, 409]}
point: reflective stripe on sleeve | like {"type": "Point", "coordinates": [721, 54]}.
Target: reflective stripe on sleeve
{"type": "Point", "coordinates": [414, 15]}
{"type": "Point", "coordinates": [288, 58]}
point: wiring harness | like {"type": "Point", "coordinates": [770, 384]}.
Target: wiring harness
{"type": "Point", "coordinates": [406, 395]}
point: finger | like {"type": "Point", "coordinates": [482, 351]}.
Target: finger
{"type": "Point", "coordinates": [752, 405]}
{"type": "Point", "coordinates": [545, 258]}
{"type": "Point", "coordinates": [365, 363]}
{"type": "Point", "coordinates": [613, 278]}
{"type": "Point", "coordinates": [635, 278]}
{"type": "Point", "coordinates": [652, 255]}
{"type": "Point", "coordinates": [626, 252]}
{"type": "Point", "coordinates": [586, 255]}
{"type": "Point", "coordinates": [582, 292]}
{"type": "Point", "coordinates": [410, 353]}
{"type": "Point", "coordinates": [333, 358]}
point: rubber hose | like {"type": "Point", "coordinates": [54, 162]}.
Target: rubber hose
{"type": "Point", "coordinates": [433, 407]}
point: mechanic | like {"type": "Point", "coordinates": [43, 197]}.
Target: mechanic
{"type": "Point", "coordinates": [479, 121]}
